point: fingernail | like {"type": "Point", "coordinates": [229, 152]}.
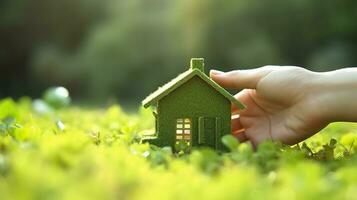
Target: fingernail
{"type": "Point", "coordinates": [216, 72]}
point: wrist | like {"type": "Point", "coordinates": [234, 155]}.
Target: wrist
{"type": "Point", "coordinates": [335, 95]}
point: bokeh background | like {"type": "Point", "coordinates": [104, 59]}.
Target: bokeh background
{"type": "Point", "coordinates": [121, 50]}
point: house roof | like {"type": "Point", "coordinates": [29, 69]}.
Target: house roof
{"type": "Point", "coordinates": [183, 78]}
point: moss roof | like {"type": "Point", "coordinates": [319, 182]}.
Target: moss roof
{"type": "Point", "coordinates": [183, 78]}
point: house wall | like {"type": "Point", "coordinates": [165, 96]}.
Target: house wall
{"type": "Point", "coordinates": [193, 99]}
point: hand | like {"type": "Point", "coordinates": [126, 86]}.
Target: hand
{"type": "Point", "coordinates": [281, 103]}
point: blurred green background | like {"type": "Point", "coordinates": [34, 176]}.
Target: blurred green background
{"type": "Point", "coordinates": [116, 50]}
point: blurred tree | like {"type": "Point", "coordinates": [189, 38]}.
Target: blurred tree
{"type": "Point", "coordinates": [27, 27]}
{"type": "Point", "coordinates": [125, 49]}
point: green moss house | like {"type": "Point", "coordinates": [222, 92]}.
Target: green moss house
{"type": "Point", "coordinates": [191, 108]}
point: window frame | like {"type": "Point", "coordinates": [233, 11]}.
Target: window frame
{"type": "Point", "coordinates": [183, 129]}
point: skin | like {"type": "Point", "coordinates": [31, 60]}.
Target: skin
{"type": "Point", "coordinates": [289, 104]}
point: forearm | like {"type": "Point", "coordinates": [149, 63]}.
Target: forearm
{"type": "Point", "coordinates": [336, 93]}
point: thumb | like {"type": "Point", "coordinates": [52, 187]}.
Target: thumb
{"type": "Point", "coordinates": [240, 79]}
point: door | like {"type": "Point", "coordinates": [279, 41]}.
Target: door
{"type": "Point", "coordinates": [208, 131]}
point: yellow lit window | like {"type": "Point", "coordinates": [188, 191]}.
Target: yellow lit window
{"type": "Point", "coordinates": [183, 129]}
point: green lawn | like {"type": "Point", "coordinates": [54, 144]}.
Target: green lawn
{"type": "Point", "coordinates": [77, 153]}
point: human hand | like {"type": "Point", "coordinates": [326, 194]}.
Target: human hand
{"type": "Point", "coordinates": [282, 103]}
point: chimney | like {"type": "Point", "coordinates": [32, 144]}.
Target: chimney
{"type": "Point", "coordinates": [197, 63]}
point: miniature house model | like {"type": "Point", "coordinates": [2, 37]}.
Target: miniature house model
{"type": "Point", "coordinates": [192, 108]}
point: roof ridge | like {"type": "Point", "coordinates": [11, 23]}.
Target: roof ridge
{"type": "Point", "coordinates": [182, 78]}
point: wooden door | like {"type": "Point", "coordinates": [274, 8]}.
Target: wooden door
{"type": "Point", "coordinates": [207, 133]}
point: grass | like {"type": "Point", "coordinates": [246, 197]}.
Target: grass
{"type": "Point", "coordinates": [76, 153]}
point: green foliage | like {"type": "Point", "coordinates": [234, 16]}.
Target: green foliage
{"type": "Point", "coordinates": [230, 142]}
{"type": "Point", "coordinates": [182, 146]}
{"type": "Point", "coordinates": [98, 154]}
{"type": "Point", "coordinates": [8, 125]}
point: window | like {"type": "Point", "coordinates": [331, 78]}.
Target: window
{"type": "Point", "coordinates": [183, 129]}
